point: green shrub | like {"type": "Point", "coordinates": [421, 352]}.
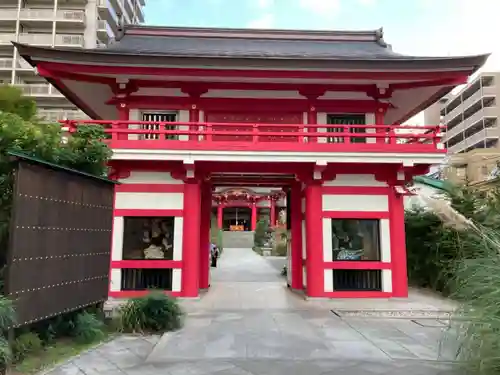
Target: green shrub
{"type": "Point", "coordinates": [5, 353]}
{"type": "Point", "coordinates": [281, 249]}
{"type": "Point", "coordinates": [7, 313]}
{"type": "Point", "coordinates": [261, 231]}
{"type": "Point", "coordinates": [155, 312]}
{"type": "Point", "coordinates": [87, 328]}
{"type": "Point", "coordinates": [27, 343]}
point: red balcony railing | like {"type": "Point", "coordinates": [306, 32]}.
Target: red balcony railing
{"type": "Point", "coordinates": [267, 137]}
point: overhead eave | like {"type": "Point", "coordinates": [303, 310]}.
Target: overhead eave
{"type": "Point", "coordinates": [102, 56]}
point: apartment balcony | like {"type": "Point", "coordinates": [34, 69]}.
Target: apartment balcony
{"type": "Point", "coordinates": [39, 17]}
{"type": "Point", "coordinates": [40, 90]}
{"type": "Point", "coordinates": [457, 111]}
{"type": "Point", "coordinates": [104, 32]}
{"type": "Point", "coordinates": [486, 112]}
{"type": "Point", "coordinates": [486, 92]}
{"type": "Point", "coordinates": [237, 137]}
{"type": "Point", "coordinates": [7, 64]}
{"type": "Point", "coordinates": [107, 13]}
{"type": "Point", "coordinates": [60, 40]}
{"type": "Point", "coordinates": [59, 115]}
{"type": "Point", "coordinates": [484, 135]}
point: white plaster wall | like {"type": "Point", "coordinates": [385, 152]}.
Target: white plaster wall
{"type": "Point", "coordinates": [385, 240]}
{"type": "Point", "coordinates": [370, 119]}
{"type": "Point", "coordinates": [328, 282]}
{"type": "Point", "coordinates": [327, 240]}
{"type": "Point", "coordinates": [362, 203]}
{"type": "Point", "coordinates": [134, 115]}
{"type": "Point", "coordinates": [386, 281]}
{"type": "Point", "coordinates": [355, 180]}
{"type": "Point", "coordinates": [183, 117]}
{"type": "Point", "coordinates": [176, 280]}
{"type": "Point", "coordinates": [178, 230]}
{"type": "Point", "coordinates": [141, 177]}
{"type": "Point", "coordinates": [149, 201]}
{"type": "Point", "coordinates": [115, 280]}
{"type": "Point", "coordinates": [117, 241]}
{"type": "Point", "coordinates": [321, 119]}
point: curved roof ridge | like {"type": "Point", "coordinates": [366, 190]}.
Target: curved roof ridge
{"type": "Point", "coordinates": [353, 35]}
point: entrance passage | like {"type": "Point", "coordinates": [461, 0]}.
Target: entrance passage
{"type": "Point", "coordinates": [237, 265]}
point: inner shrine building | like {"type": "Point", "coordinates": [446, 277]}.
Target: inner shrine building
{"type": "Point", "coordinates": [201, 118]}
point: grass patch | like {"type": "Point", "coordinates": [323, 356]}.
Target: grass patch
{"type": "Point", "coordinates": [61, 350]}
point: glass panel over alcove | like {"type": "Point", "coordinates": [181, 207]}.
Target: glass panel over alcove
{"type": "Point", "coordinates": [356, 239]}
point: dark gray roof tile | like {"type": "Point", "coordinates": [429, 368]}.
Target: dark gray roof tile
{"type": "Point", "coordinates": [250, 48]}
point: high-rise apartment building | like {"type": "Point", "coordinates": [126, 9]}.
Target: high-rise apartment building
{"type": "Point", "coordinates": [471, 115]}
{"type": "Point", "coordinates": [472, 133]}
{"type": "Point", "coordinates": [57, 23]}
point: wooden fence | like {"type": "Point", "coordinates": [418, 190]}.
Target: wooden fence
{"type": "Point", "coordinates": [58, 258]}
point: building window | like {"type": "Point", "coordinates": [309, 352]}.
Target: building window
{"type": "Point", "coordinates": [159, 117]}
{"type": "Point", "coordinates": [346, 120]}
{"type": "Point", "coordinates": [356, 240]}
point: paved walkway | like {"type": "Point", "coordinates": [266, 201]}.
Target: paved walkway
{"type": "Point", "coordinates": [250, 323]}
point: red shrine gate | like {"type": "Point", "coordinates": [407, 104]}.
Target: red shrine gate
{"type": "Point", "coordinates": [316, 113]}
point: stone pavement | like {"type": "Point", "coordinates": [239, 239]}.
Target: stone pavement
{"type": "Point", "coordinates": [250, 323]}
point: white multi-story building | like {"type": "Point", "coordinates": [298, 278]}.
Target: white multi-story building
{"type": "Point", "coordinates": [471, 115]}
{"type": "Point", "coordinates": [57, 23]}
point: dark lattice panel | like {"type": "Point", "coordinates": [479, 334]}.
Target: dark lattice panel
{"type": "Point", "coordinates": [357, 280]}
{"type": "Point", "coordinates": [59, 251]}
{"type": "Point", "coordinates": [147, 278]}
{"type": "Point", "coordinates": [346, 120]}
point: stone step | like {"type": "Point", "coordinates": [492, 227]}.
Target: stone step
{"type": "Point", "coordinates": [237, 239]}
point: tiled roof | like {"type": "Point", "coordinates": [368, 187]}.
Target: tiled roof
{"type": "Point", "coordinates": [251, 48]}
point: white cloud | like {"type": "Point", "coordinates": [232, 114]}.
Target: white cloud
{"type": "Point", "coordinates": [264, 4]}
{"type": "Point", "coordinates": [265, 21]}
{"type": "Point", "coordinates": [367, 2]}
{"type": "Point", "coordinates": [327, 8]}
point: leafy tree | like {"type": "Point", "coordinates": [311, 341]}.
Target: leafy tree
{"type": "Point", "coordinates": [13, 101]}
{"type": "Point", "coordinates": [21, 131]}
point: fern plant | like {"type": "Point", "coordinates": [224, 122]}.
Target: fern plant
{"type": "Point", "coordinates": [155, 312]}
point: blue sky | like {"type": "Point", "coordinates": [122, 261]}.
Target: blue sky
{"type": "Point", "coordinates": [420, 27]}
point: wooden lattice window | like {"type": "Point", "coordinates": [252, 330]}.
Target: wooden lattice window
{"type": "Point", "coordinates": [346, 119]}
{"type": "Point", "coordinates": [159, 117]}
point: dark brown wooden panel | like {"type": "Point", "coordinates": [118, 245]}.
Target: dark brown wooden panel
{"type": "Point", "coordinates": [60, 240]}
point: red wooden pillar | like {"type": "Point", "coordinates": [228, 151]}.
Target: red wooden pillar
{"type": "Point", "coordinates": [398, 245]}
{"type": "Point", "coordinates": [254, 216]}
{"type": "Point", "coordinates": [191, 239]}
{"type": "Point", "coordinates": [272, 205]}
{"type": "Point", "coordinates": [312, 119]}
{"type": "Point", "coordinates": [194, 116]}
{"type": "Point", "coordinates": [123, 115]}
{"type": "Point", "coordinates": [206, 208]}
{"type": "Point", "coordinates": [379, 120]}
{"type": "Point", "coordinates": [220, 215]}
{"type": "Point", "coordinates": [296, 229]}
{"type": "Point", "coordinates": [314, 240]}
